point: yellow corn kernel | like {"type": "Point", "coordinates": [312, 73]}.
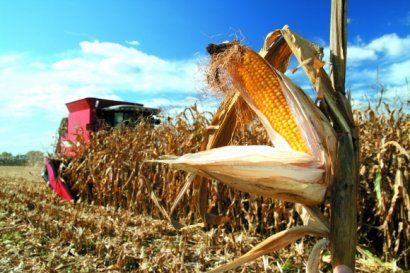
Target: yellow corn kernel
{"type": "Point", "coordinates": [262, 85]}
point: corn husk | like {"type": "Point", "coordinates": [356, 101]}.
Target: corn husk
{"type": "Point", "coordinates": [278, 171]}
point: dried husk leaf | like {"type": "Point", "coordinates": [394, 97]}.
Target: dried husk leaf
{"type": "Point", "coordinates": [273, 243]}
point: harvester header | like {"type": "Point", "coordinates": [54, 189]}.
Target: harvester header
{"type": "Point", "coordinates": [85, 116]}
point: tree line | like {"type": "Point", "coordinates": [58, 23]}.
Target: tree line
{"type": "Point", "coordinates": [31, 158]}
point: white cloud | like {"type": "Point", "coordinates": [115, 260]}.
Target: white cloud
{"type": "Point", "coordinates": [391, 44]}
{"type": "Point", "coordinates": [384, 60]}
{"type": "Point", "coordinates": [35, 91]}
{"type": "Point", "coordinates": [9, 59]}
{"type": "Point", "coordinates": [357, 54]}
{"type": "Point", "coordinates": [361, 75]}
{"type": "Point", "coordinates": [100, 69]}
{"type": "Point", "coordinates": [133, 43]}
{"type": "Point", "coordinates": [120, 67]}
{"type": "Point", "coordinates": [397, 73]}
{"type": "Point", "coordinates": [171, 106]}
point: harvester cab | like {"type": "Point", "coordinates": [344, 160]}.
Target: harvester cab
{"type": "Point", "coordinates": [86, 116]}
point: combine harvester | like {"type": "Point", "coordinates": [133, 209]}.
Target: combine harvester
{"type": "Point", "coordinates": [86, 116]}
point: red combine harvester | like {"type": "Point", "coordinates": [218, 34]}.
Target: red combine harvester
{"type": "Point", "coordinates": [85, 116]}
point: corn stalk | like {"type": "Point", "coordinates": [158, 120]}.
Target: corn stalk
{"type": "Point", "coordinates": [344, 191]}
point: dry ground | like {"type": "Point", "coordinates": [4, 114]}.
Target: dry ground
{"type": "Point", "coordinates": [41, 233]}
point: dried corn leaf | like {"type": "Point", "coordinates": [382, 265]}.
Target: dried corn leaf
{"type": "Point", "coordinates": [275, 242]}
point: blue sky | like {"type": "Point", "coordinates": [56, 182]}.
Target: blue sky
{"type": "Point", "coordinates": [52, 52]}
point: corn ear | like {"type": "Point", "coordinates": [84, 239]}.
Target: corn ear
{"type": "Point", "coordinates": [262, 88]}
{"type": "Point", "coordinates": [299, 167]}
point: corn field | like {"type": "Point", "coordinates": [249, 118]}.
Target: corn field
{"type": "Point", "coordinates": [112, 171]}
